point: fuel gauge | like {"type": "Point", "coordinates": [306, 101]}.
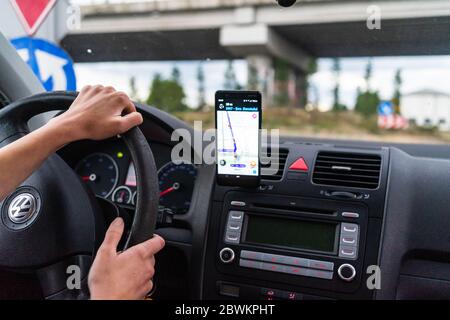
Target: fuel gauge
{"type": "Point", "coordinates": [122, 195]}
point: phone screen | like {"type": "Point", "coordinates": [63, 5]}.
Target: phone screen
{"type": "Point", "coordinates": [238, 120]}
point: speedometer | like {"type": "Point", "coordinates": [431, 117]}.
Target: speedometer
{"type": "Point", "coordinates": [176, 184]}
{"type": "Point", "coordinates": [100, 172]}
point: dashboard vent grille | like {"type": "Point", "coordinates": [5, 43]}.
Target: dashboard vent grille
{"type": "Point", "coordinates": [347, 170]}
{"type": "Point", "coordinates": [282, 156]}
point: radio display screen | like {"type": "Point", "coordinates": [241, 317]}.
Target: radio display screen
{"type": "Point", "coordinates": [291, 233]}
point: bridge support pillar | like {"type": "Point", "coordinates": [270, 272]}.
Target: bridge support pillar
{"type": "Point", "coordinates": [280, 83]}
{"type": "Point", "coordinates": [260, 75]}
{"type": "Point", "coordinates": [276, 67]}
{"type": "Point", "coordinates": [298, 89]}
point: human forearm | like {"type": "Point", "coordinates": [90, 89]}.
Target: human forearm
{"type": "Point", "coordinates": [97, 113]}
{"type": "Point", "coordinates": [19, 159]}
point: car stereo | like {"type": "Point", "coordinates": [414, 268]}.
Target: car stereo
{"type": "Point", "coordinates": [300, 241]}
{"type": "Point", "coordinates": [292, 233]}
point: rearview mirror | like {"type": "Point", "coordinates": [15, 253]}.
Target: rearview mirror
{"type": "Point", "coordinates": [286, 3]}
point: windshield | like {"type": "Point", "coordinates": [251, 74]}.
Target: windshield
{"type": "Point", "coordinates": [326, 69]}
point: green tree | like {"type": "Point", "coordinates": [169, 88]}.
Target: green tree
{"type": "Point", "coordinates": [368, 74]}
{"type": "Point", "coordinates": [252, 80]}
{"type": "Point", "coordinates": [155, 97]}
{"type": "Point", "coordinates": [397, 90]}
{"type": "Point", "coordinates": [176, 74]}
{"type": "Point", "coordinates": [337, 106]}
{"type": "Point", "coordinates": [304, 86]}
{"type": "Point", "coordinates": [167, 94]}
{"type": "Point", "coordinates": [201, 86]}
{"type": "Point", "coordinates": [281, 76]}
{"type": "Point", "coordinates": [133, 89]}
{"type": "Point", "coordinates": [231, 82]}
{"type": "Point", "coordinates": [367, 101]}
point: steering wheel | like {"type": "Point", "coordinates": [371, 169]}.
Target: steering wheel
{"type": "Point", "coordinates": [51, 222]}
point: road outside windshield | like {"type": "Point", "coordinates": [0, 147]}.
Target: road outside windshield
{"type": "Point", "coordinates": [351, 70]}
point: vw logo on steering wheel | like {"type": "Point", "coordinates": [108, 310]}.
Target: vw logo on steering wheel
{"type": "Point", "coordinates": [22, 208]}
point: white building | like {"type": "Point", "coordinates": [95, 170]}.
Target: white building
{"type": "Point", "coordinates": [427, 108]}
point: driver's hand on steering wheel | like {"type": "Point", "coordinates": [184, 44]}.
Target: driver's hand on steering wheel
{"type": "Point", "coordinates": [98, 113]}
{"type": "Point", "coordinates": [123, 275]}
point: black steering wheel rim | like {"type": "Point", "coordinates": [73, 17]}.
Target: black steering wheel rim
{"type": "Point", "coordinates": [13, 123]}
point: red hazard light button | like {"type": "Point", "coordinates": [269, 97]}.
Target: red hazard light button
{"type": "Point", "coordinates": [299, 165]}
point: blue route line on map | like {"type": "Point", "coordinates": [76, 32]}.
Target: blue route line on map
{"type": "Point", "coordinates": [232, 136]}
{"type": "Point", "coordinates": [232, 133]}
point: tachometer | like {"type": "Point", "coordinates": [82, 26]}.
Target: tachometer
{"type": "Point", "coordinates": [100, 172]}
{"type": "Point", "coordinates": [176, 184]}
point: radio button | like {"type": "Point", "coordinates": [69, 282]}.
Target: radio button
{"type": "Point", "coordinates": [236, 215]}
{"type": "Point", "coordinates": [321, 265]}
{"type": "Point", "coordinates": [299, 262]}
{"type": "Point", "coordinates": [271, 293]}
{"type": "Point", "coordinates": [348, 240]}
{"type": "Point", "coordinates": [298, 271]}
{"type": "Point", "coordinates": [272, 267]}
{"type": "Point", "coordinates": [347, 252]}
{"type": "Point", "coordinates": [349, 228]}
{"type": "Point", "coordinates": [234, 226]}
{"type": "Point", "coordinates": [238, 203]}
{"type": "Point", "coordinates": [232, 237]}
{"type": "Point", "coordinates": [320, 274]}
{"type": "Point", "coordinates": [353, 215]}
{"type": "Point", "coordinates": [347, 272]}
{"type": "Point", "coordinates": [252, 255]}
{"type": "Point", "coordinates": [250, 264]}
{"type": "Point", "coordinates": [293, 270]}
{"type": "Point", "coordinates": [274, 258]}
{"type": "Point", "coordinates": [292, 295]}
{"type": "Point", "coordinates": [226, 255]}
{"type": "Point", "coordinates": [348, 244]}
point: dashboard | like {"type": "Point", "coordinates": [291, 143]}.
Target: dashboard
{"type": "Point", "coordinates": [302, 235]}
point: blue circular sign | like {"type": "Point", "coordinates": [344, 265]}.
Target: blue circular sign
{"type": "Point", "coordinates": [51, 64]}
{"type": "Point", "coordinates": [385, 108]}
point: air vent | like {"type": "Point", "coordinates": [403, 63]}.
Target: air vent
{"type": "Point", "coordinates": [281, 158]}
{"type": "Point", "coordinates": [347, 170]}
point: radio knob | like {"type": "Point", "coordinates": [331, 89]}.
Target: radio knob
{"type": "Point", "coordinates": [347, 272]}
{"type": "Point", "coordinates": [226, 255]}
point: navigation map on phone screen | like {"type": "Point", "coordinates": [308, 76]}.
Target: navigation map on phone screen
{"type": "Point", "coordinates": [238, 136]}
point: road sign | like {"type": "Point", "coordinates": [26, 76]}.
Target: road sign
{"type": "Point", "coordinates": [32, 13]}
{"type": "Point", "coordinates": [51, 64]}
{"type": "Point", "coordinates": [387, 119]}
{"type": "Point", "coordinates": [385, 108]}
{"type": "Point", "coordinates": [393, 121]}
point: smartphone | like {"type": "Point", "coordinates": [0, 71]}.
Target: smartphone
{"type": "Point", "coordinates": [238, 141]}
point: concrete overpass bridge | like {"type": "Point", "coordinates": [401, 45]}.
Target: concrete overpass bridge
{"type": "Point", "coordinates": [259, 31]}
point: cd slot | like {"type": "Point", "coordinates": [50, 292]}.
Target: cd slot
{"type": "Point", "coordinates": [294, 208]}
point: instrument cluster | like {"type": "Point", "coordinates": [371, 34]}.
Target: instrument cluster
{"type": "Point", "coordinates": [109, 173]}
